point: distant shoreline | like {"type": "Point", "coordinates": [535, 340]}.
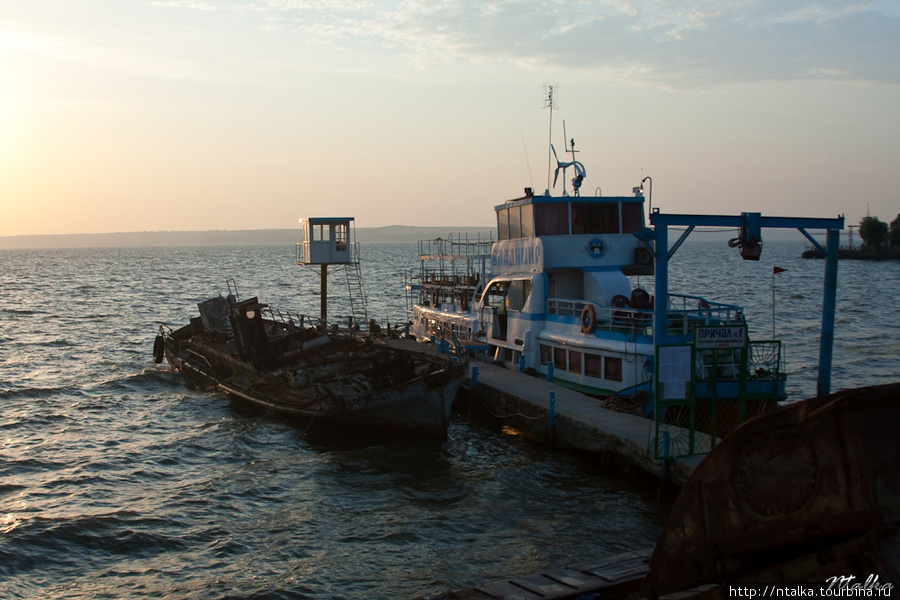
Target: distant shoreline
{"type": "Point", "coordinates": [855, 254]}
{"type": "Point", "coordinates": [248, 237]}
{"type": "Point", "coordinates": [398, 234]}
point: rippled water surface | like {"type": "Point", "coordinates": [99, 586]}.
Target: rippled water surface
{"type": "Point", "coordinates": [117, 480]}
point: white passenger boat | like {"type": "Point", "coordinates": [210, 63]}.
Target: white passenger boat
{"type": "Point", "coordinates": [559, 295]}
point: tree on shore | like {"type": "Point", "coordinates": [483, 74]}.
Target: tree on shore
{"type": "Point", "coordinates": [874, 232]}
{"type": "Point", "coordinates": [895, 232]}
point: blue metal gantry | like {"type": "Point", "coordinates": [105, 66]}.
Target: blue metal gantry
{"type": "Point", "coordinates": [750, 240]}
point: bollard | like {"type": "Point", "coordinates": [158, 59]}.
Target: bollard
{"type": "Point", "coordinates": [551, 419]}
{"type": "Point", "coordinates": [474, 378]}
{"type": "Point", "coordinates": [550, 372]}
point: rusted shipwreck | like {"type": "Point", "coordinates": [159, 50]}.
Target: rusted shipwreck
{"type": "Point", "coordinates": [274, 362]}
{"type": "Point", "coordinates": [806, 494]}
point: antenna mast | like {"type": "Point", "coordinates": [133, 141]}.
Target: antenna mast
{"type": "Point", "coordinates": [548, 103]}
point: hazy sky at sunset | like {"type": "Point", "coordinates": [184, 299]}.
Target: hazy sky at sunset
{"type": "Point", "coordinates": [147, 115]}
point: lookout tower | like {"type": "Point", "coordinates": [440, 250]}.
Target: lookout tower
{"type": "Point", "coordinates": [330, 241]}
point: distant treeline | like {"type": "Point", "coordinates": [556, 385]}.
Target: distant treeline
{"type": "Point", "coordinates": [254, 237]}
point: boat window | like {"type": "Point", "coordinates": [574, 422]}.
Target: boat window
{"type": "Point", "coordinates": [574, 361]}
{"type": "Point", "coordinates": [551, 218]}
{"type": "Point", "coordinates": [495, 296]}
{"type": "Point", "coordinates": [503, 224]}
{"type": "Point", "coordinates": [559, 359]}
{"type": "Point", "coordinates": [594, 217]}
{"type": "Point", "coordinates": [613, 368]}
{"type": "Point", "coordinates": [546, 354]}
{"type": "Point", "coordinates": [593, 365]}
{"type": "Point", "coordinates": [433, 327]}
{"type": "Point", "coordinates": [515, 231]}
{"type": "Point", "coordinates": [527, 221]}
{"type": "Point", "coordinates": [632, 216]}
{"type": "Point", "coordinates": [517, 294]}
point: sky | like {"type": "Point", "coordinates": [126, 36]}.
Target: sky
{"type": "Point", "coordinates": [180, 115]}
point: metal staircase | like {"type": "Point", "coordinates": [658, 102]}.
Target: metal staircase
{"type": "Point", "coordinates": [355, 290]}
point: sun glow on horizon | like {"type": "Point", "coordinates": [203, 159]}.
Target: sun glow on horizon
{"type": "Point", "coordinates": [178, 115]}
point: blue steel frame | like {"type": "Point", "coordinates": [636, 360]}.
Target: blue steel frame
{"type": "Point", "coordinates": [751, 224]}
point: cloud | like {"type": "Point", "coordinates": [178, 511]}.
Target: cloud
{"type": "Point", "coordinates": [670, 43]}
{"type": "Point", "coordinates": [675, 44]}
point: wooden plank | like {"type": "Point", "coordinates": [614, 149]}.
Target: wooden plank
{"type": "Point", "coordinates": [621, 574]}
{"type": "Point", "coordinates": [544, 586]}
{"type": "Point", "coordinates": [564, 582]}
{"type": "Point", "coordinates": [576, 578]}
{"type": "Point", "coordinates": [709, 590]}
{"type": "Point", "coordinates": [640, 555]}
{"type": "Point", "coordinates": [467, 594]}
{"type": "Point", "coordinates": [625, 567]}
{"type": "Point", "coordinates": [507, 590]}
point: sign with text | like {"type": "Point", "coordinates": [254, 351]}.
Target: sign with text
{"type": "Point", "coordinates": [517, 257]}
{"type": "Point", "coordinates": [720, 336]}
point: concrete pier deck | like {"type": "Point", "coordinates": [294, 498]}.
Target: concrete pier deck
{"type": "Point", "coordinates": [522, 402]}
{"type": "Point", "coordinates": [580, 422]}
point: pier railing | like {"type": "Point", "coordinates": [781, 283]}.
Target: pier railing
{"type": "Point", "coordinates": [727, 387]}
{"type": "Point", "coordinates": [686, 311]}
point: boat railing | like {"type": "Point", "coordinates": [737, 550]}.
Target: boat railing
{"type": "Point", "coordinates": [448, 343]}
{"type": "Point", "coordinates": [458, 245]}
{"type": "Point", "coordinates": [683, 313]}
{"type": "Point", "coordinates": [200, 358]}
{"type": "Point", "coordinates": [287, 318]}
{"type": "Point", "coordinates": [607, 317]}
{"type": "Point", "coordinates": [436, 286]}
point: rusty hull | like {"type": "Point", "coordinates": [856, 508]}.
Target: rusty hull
{"type": "Point", "coordinates": [806, 492]}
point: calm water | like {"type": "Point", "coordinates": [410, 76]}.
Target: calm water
{"type": "Point", "coordinates": [117, 480]}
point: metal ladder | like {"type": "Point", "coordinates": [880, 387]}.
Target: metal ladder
{"type": "Point", "coordinates": [355, 290]}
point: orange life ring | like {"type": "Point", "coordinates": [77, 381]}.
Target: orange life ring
{"type": "Point", "coordinates": [588, 319]}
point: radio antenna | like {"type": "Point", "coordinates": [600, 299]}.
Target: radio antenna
{"type": "Point", "coordinates": [548, 103]}
{"type": "Point", "coordinates": [527, 162]}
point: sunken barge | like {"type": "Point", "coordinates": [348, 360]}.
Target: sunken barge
{"type": "Point", "coordinates": [274, 362]}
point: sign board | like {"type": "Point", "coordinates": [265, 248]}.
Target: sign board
{"type": "Point", "coordinates": [720, 336]}
{"type": "Point", "coordinates": [517, 257]}
{"type": "Point", "coordinates": [674, 371]}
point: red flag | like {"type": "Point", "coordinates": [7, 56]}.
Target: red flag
{"type": "Point", "coordinates": [777, 270]}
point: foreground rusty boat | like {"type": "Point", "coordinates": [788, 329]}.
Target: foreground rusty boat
{"type": "Point", "coordinates": [806, 495]}
{"type": "Point", "coordinates": [803, 494]}
{"type": "Point", "coordinates": [272, 361]}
